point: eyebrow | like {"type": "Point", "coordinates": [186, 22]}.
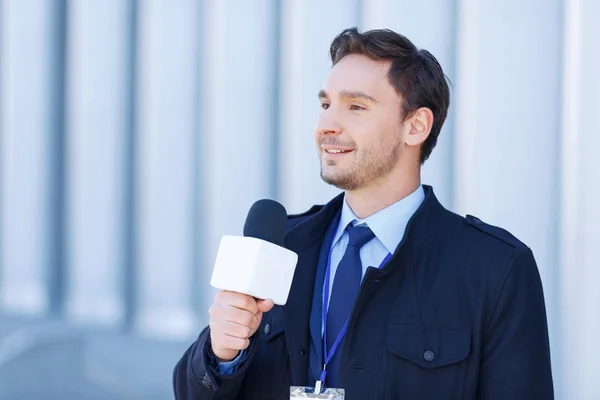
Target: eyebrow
{"type": "Point", "coordinates": [350, 95]}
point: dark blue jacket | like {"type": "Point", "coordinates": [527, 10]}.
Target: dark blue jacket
{"type": "Point", "coordinates": [457, 313]}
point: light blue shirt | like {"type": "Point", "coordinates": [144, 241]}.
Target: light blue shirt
{"type": "Point", "coordinates": [388, 225]}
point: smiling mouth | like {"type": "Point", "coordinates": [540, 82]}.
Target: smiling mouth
{"type": "Point", "coordinates": [336, 151]}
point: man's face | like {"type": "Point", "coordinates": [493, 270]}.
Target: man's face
{"type": "Point", "coordinates": [359, 133]}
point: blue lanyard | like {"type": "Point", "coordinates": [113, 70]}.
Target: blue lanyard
{"type": "Point", "coordinates": [338, 340]}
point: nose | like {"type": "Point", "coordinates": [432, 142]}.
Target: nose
{"type": "Point", "coordinates": [328, 123]}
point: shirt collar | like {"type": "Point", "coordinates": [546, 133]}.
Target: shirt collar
{"type": "Point", "coordinates": [388, 224]}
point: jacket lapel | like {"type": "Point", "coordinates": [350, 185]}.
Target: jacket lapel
{"type": "Point", "coordinates": [305, 239]}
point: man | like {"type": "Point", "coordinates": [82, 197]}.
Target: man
{"type": "Point", "coordinates": [436, 306]}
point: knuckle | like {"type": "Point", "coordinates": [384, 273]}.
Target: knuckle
{"type": "Point", "coordinates": [246, 302]}
{"type": "Point", "coordinates": [215, 329]}
{"type": "Point", "coordinates": [248, 319]}
{"type": "Point", "coordinates": [216, 313]}
{"type": "Point", "coordinates": [246, 331]}
{"type": "Point", "coordinates": [219, 303]}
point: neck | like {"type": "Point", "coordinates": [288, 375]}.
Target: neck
{"type": "Point", "coordinates": [369, 200]}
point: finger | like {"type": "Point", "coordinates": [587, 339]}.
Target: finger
{"type": "Point", "coordinates": [265, 305]}
{"type": "Point", "coordinates": [241, 301]}
{"type": "Point", "coordinates": [239, 316]}
{"type": "Point", "coordinates": [256, 324]}
{"type": "Point", "coordinates": [234, 343]}
{"type": "Point", "coordinates": [236, 330]}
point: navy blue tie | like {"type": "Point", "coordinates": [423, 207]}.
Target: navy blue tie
{"type": "Point", "coordinates": [343, 294]}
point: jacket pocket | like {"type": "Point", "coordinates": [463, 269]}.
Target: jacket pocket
{"type": "Point", "coordinates": [425, 362]}
{"type": "Point", "coordinates": [428, 347]}
{"type": "Point", "coordinates": [267, 371]}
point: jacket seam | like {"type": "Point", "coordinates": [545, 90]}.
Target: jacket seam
{"type": "Point", "coordinates": [511, 265]}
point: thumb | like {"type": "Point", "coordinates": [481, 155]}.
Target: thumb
{"type": "Point", "coordinates": [265, 305]}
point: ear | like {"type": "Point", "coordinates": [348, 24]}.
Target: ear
{"type": "Point", "coordinates": [420, 126]}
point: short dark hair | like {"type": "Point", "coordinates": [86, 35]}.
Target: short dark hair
{"type": "Point", "coordinates": [415, 73]}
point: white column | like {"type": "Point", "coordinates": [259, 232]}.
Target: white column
{"type": "Point", "coordinates": [580, 222]}
{"type": "Point", "coordinates": [238, 110]}
{"type": "Point", "coordinates": [430, 25]}
{"type": "Point", "coordinates": [309, 26]}
{"type": "Point", "coordinates": [508, 125]}
{"type": "Point", "coordinates": [97, 113]}
{"type": "Point", "coordinates": [26, 123]}
{"type": "Point", "coordinates": [166, 122]}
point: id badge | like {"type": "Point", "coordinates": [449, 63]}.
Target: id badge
{"type": "Point", "coordinates": [300, 392]}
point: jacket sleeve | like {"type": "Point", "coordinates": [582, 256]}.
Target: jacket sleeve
{"type": "Point", "coordinates": [196, 378]}
{"type": "Point", "coordinates": [516, 352]}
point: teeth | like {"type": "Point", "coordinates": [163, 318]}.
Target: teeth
{"type": "Point", "coordinates": [335, 151]}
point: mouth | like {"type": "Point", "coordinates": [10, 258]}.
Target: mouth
{"type": "Point", "coordinates": [337, 151]}
{"type": "Point", "coordinates": [333, 151]}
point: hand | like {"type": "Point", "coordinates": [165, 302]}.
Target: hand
{"type": "Point", "coordinates": [234, 317]}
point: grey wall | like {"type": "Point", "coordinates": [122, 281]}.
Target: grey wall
{"type": "Point", "coordinates": [135, 133]}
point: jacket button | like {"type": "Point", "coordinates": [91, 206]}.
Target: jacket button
{"type": "Point", "coordinates": [267, 329]}
{"type": "Point", "coordinates": [428, 356]}
{"type": "Point", "coordinates": [302, 352]}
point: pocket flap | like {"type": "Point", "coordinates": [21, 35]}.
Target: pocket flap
{"type": "Point", "coordinates": [272, 324]}
{"type": "Point", "coordinates": [428, 347]}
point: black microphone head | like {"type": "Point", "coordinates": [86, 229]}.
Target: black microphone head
{"type": "Point", "coordinates": [266, 220]}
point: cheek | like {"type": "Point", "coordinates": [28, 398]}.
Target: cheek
{"type": "Point", "coordinates": [375, 134]}
{"type": "Point", "coordinates": [393, 133]}
{"type": "Point", "coordinates": [361, 130]}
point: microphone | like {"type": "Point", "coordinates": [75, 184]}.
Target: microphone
{"type": "Point", "coordinates": [266, 220]}
{"type": "Point", "coordinates": [257, 264]}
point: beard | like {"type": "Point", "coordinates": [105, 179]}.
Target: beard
{"type": "Point", "coordinates": [367, 166]}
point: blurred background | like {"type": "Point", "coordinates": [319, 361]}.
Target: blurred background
{"type": "Point", "coordinates": [135, 133]}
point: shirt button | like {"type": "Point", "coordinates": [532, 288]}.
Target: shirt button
{"type": "Point", "coordinates": [428, 356]}
{"type": "Point", "coordinates": [267, 329]}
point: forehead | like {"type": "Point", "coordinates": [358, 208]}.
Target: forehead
{"type": "Point", "coordinates": [358, 72]}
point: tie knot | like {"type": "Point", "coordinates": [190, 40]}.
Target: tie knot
{"type": "Point", "coordinates": [359, 235]}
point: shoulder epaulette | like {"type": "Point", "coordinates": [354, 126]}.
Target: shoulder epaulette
{"type": "Point", "coordinates": [495, 231]}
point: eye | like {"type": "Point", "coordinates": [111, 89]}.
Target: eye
{"type": "Point", "coordinates": [324, 106]}
{"type": "Point", "coordinates": [355, 107]}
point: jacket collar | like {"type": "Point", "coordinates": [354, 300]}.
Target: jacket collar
{"type": "Point", "coordinates": [420, 226]}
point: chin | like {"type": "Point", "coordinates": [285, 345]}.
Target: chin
{"type": "Point", "coordinates": [339, 181]}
